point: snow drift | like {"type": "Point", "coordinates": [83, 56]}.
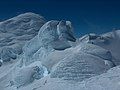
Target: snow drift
{"type": "Point", "coordinates": [36, 54]}
{"type": "Point", "coordinates": [15, 32]}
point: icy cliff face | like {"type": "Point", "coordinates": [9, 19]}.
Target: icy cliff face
{"type": "Point", "coordinates": [87, 60]}
{"type": "Point", "coordinates": [40, 55]}
{"type": "Point", "coordinates": [54, 35]}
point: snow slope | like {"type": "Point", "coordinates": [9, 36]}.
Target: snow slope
{"type": "Point", "coordinates": [109, 41]}
{"type": "Point", "coordinates": [105, 81]}
{"type": "Point", "coordinates": [40, 55]}
{"type": "Point", "coordinates": [15, 32]}
{"type": "Point", "coordinates": [53, 35]}
{"type": "Point", "coordinates": [85, 61]}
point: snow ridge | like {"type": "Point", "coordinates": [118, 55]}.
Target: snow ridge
{"type": "Point", "coordinates": [36, 54]}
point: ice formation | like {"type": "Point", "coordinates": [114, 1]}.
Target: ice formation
{"type": "Point", "coordinates": [36, 54]}
{"type": "Point", "coordinates": [86, 61]}
{"type": "Point", "coordinates": [54, 35]}
{"type": "Point", "coordinates": [15, 32]}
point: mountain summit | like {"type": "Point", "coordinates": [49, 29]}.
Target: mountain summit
{"type": "Point", "coordinates": [36, 54]}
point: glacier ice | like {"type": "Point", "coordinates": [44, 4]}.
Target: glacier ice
{"type": "Point", "coordinates": [95, 50]}
{"type": "Point", "coordinates": [7, 54]}
{"type": "Point", "coordinates": [25, 75]}
{"type": "Point", "coordinates": [36, 54]}
{"type": "Point", "coordinates": [53, 35]}
{"type": "Point", "coordinates": [15, 32]}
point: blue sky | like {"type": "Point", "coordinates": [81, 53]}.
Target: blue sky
{"type": "Point", "coordinates": [95, 16]}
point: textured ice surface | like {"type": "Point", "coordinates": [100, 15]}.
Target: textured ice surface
{"type": "Point", "coordinates": [53, 35]}
{"type": "Point", "coordinates": [95, 50]}
{"type": "Point", "coordinates": [107, 81]}
{"type": "Point", "coordinates": [40, 55]}
{"type": "Point", "coordinates": [28, 74]}
{"type": "Point", "coordinates": [7, 54]}
{"type": "Point", "coordinates": [87, 60]}
{"type": "Point", "coordinates": [16, 31]}
{"type": "Point", "coordinates": [109, 41]}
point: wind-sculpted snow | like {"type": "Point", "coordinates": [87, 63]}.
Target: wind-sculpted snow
{"type": "Point", "coordinates": [7, 54]}
{"type": "Point", "coordinates": [109, 41]}
{"type": "Point", "coordinates": [106, 81]}
{"type": "Point", "coordinates": [95, 50]}
{"type": "Point", "coordinates": [40, 55]}
{"type": "Point", "coordinates": [15, 32]}
{"type": "Point", "coordinates": [37, 49]}
{"type": "Point", "coordinates": [87, 60]}
{"type": "Point", "coordinates": [25, 75]}
{"type": "Point", "coordinates": [54, 35]}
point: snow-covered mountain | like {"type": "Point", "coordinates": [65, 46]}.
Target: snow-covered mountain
{"type": "Point", "coordinates": [36, 54]}
{"type": "Point", "coordinates": [15, 32]}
